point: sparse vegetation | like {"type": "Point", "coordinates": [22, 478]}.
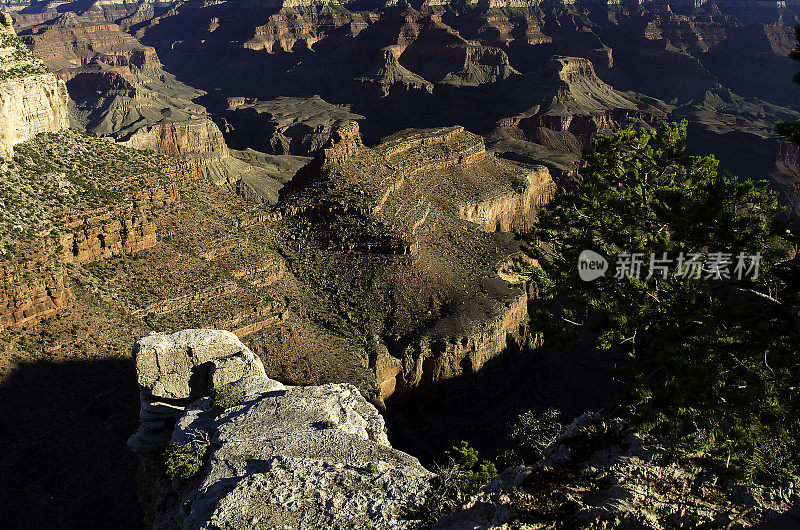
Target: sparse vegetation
{"type": "Point", "coordinates": [225, 397]}
{"type": "Point", "coordinates": [58, 175]}
{"type": "Point", "coordinates": [16, 60]}
{"type": "Point", "coordinates": [460, 478]}
{"type": "Point", "coordinates": [530, 435]}
{"type": "Point", "coordinates": [184, 460]}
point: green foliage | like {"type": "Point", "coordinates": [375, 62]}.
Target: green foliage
{"type": "Point", "coordinates": [184, 460]}
{"type": "Point", "coordinates": [530, 435]}
{"type": "Point", "coordinates": [463, 476]}
{"type": "Point", "coordinates": [473, 472]}
{"type": "Point", "coordinates": [225, 397]}
{"type": "Point", "coordinates": [712, 361]}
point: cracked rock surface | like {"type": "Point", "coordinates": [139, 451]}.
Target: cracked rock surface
{"type": "Point", "coordinates": [294, 457]}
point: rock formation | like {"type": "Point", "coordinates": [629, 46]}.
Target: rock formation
{"type": "Point", "coordinates": [196, 141]}
{"type": "Point", "coordinates": [318, 456]}
{"type": "Point", "coordinates": [175, 370]}
{"type": "Point", "coordinates": [283, 126]}
{"type": "Point", "coordinates": [438, 307]}
{"type": "Point", "coordinates": [32, 100]}
{"type": "Point", "coordinates": [306, 457]}
{"type": "Point", "coordinates": [569, 105]}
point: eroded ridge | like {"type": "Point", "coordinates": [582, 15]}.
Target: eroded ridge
{"type": "Point", "coordinates": [411, 236]}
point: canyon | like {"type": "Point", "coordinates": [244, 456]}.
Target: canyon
{"type": "Point", "coordinates": [339, 186]}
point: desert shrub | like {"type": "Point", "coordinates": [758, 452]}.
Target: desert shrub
{"type": "Point", "coordinates": [225, 397]}
{"type": "Point", "coordinates": [184, 460]}
{"type": "Point", "coordinates": [530, 435]}
{"type": "Point", "coordinates": [460, 478]}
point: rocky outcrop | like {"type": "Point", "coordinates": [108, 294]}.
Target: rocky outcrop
{"type": "Point", "coordinates": [174, 370]}
{"type": "Point", "coordinates": [455, 347]}
{"type": "Point", "coordinates": [572, 104]}
{"type": "Point", "coordinates": [285, 125]}
{"type": "Point", "coordinates": [198, 136]}
{"type": "Point", "coordinates": [31, 290]}
{"type": "Point", "coordinates": [196, 141]}
{"type": "Point", "coordinates": [304, 457]}
{"type": "Point", "coordinates": [601, 474]}
{"type": "Point", "coordinates": [107, 237]}
{"type": "Point", "coordinates": [32, 100]}
{"type": "Point", "coordinates": [318, 457]}
{"type": "Point", "coordinates": [514, 211]}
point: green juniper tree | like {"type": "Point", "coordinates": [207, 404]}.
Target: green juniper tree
{"type": "Point", "coordinates": [712, 359]}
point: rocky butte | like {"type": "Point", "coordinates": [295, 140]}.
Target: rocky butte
{"type": "Point", "coordinates": [413, 236]}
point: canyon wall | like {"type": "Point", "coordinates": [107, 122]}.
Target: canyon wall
{"type": "Point", "coordinates": [32, 100]}
{"type": "Point", "coordinates": [31, 289]}
{"type": "Point", "coordinates": [514, 211]}
{"type": "Point", "coordinates": [196, 142]}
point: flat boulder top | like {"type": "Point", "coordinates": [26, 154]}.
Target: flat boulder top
{"type": "Point", "coordinates": [296, 457]}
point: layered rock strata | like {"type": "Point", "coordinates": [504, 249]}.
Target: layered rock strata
{"type": "Point", "coordinates": [30, 291]}
{"type": "Point", "coordinates": [438, 309]}
{"type": "Point", "coordinates": [119, 88]}
{"type": "Point", "coordinates": [196, 141]}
